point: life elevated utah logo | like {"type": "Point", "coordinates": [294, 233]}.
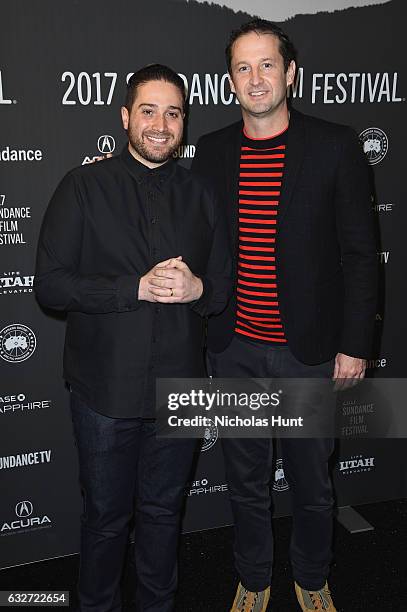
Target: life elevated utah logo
{"type": "Point", "coordinates": [356, 464]}
{"type": "Point", "coordinates": [17, 343]}
{"type": "Point", "coordinates": [25, 520]}
{"type": "Point", "coordinates": [375, 144]}
{"type": "Point", "coordinates": [15, 282]}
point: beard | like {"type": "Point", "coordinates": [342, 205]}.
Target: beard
{"type": "Point", "coordinates": [154, 153]}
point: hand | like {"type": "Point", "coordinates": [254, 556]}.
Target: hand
{"type": "Point", "coordinates": [175, 283]}
{"type": "Point", "coordinates": [348, 371]}
{"type": "Point", "coordinates": [144, 285]}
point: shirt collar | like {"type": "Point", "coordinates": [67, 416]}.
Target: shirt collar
{"type": "Point", "coordinates": [141, 172]}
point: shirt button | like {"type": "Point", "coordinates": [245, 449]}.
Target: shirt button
{"type": "Point", "coordinates": [157, 309]}
{"type": "Point", "coordinates": [153, 220]}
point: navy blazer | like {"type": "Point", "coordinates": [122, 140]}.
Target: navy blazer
{"type": "Point", "coordinates": [326, 245]}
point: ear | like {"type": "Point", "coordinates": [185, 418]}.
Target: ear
{"type": "Point", "coordinates": [232, 87]}
{"type": "Point", "coordinates": [290, 73]}
{"type": "Point", "coordinates": [125, 117]}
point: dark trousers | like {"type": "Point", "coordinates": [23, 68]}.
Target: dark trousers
{"type": "Point", "coordinates": [121, 462]}
{"type": "Point", "coordinates": [248, 464]}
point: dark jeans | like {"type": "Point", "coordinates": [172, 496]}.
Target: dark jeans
{"type": "Point", "coordinates": [248, 464]}
{"type": "Point", "coordinates": [122, 461]}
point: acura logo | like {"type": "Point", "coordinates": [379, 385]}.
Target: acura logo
{"type": "Point", "coordinates": [106, 144]}
{"type": "Point", "coordinates": [24, 509]}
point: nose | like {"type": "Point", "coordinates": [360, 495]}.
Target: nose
{"type": "Point", "coordinates": [160, 122]}
{"type": "Point", "coordinates": [255, 76]}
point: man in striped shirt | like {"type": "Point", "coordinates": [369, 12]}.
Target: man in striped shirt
{"type": "Point", "coordinates": [297, 195]}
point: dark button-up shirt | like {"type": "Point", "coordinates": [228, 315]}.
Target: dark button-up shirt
{"type": "Point", "coordinates": [106, 226]}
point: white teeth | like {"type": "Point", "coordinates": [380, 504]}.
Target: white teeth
{"type": "Point", "coordinates": [157, 139]}
{"type": "Point", "coordinates": [257, 93]}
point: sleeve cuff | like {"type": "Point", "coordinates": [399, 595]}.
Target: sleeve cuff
{"type": "Point", "coordinates": [200, 306]}
{"type": "Point", "coordinates": [127, 293]}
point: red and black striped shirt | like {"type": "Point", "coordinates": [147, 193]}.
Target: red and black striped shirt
{"type": "Point", "coordinates": [260, 180]}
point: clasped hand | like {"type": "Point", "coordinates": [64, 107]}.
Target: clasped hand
{"type": "Point", "coordinates": [169, 282]}
{"type": "Point", "coordinates": [348, 371]}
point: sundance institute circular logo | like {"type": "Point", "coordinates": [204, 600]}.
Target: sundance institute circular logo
{"type": "Point", "coordinates": [17, 343]}
{"type": "Point", "coordinates": [375, 144]}
{"type": "Point", "coordinates": [210, 436]}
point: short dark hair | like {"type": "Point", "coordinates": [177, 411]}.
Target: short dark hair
{"type": "Point", "coordinates": [262, 26]}
{"type": "Point", "coordinates": [153, 72]}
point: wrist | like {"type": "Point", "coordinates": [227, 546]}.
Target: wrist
{"type": "Point", "coordinates": [198, 288]}
{"type": "Point", "coordinates": [142, 290]}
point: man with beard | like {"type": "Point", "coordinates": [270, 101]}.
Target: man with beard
{"type": "Point", "coordinates": [110, 231]}
{"type": "Point", "coordinates": [296, 192]}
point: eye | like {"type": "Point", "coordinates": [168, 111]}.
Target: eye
{"type": "Point", "coordinates": [267, 65]}
{"type": "Point", "coordinates": [243, 69]}
{"type": "Point", "coordinates": [147, 111]}
{"type": "Point", "coordinates": [173, 114]}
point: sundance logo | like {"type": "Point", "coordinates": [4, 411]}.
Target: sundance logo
{"type": "Point", "coordinates": [185, 152]}
{"type": "Point", "coordinates": [12, 155]}
{"type": "Point", "coordinates": [25, 459]}
{"type": "Point", "coordinates": [381, 362]}
{"type": "Point", "coordinates": [384, 257]}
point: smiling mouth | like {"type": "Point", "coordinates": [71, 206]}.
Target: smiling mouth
{"type": "Point", "coordinates": [157, 139]}
{"type": "Point", "coordinates": [257, 94]}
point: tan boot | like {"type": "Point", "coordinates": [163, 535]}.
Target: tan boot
{"type": "Point", "coordinates": [250, 601]}
{"type": "Point", "coordinates": [315, 601]}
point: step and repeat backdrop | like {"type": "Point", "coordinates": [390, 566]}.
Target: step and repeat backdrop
{"type": "Point", "coordinates": [63, 71]}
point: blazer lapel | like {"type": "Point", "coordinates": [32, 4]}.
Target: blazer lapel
{"type": "Point", "coordinates": [232, 178]}
{"type": "Point", "coordinates": [293, 162]}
